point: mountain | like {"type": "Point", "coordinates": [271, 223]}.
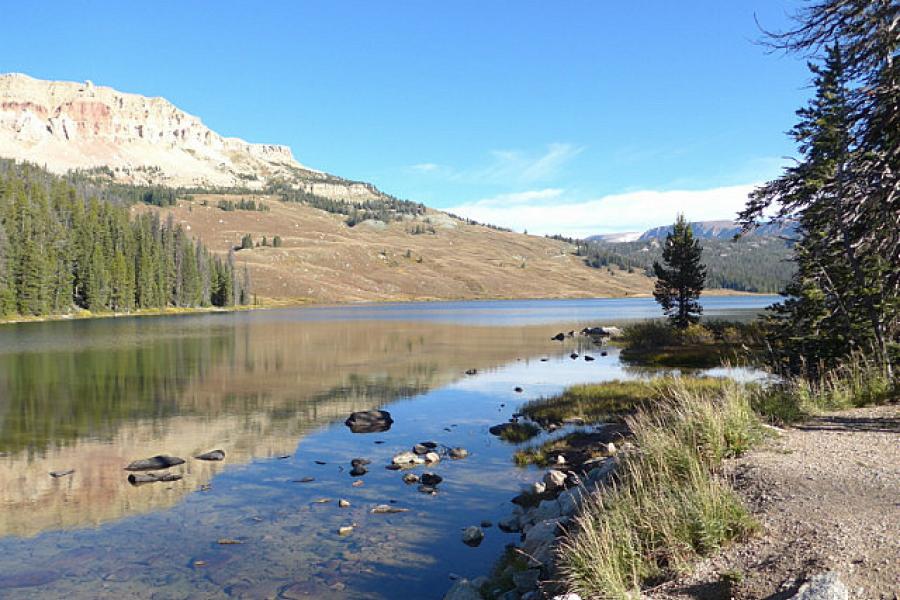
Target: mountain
{"type": "Point", "coordinates": [719, 230]}
{"type": "Point", "coordinates": [628, 236]}
{"type": "Point", "coordinates": [65, 125]}
{"type": "Point", "coordinates": [338, 240]}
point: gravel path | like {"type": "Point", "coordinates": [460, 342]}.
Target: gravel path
{"type": "Point", "coordinates": [827, 494]}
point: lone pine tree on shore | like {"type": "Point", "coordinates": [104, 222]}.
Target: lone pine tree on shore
{"type": "Point", "coordinates": [680, 282]}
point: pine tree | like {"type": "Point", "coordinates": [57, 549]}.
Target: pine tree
{"type": "Point", "coordinates": [847, 186]}
{"type": "Point", "coordinates": [680, 282]}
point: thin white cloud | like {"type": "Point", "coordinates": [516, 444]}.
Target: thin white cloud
{"type": "Point", "coordinates": [426, 167]}
{"type": "Point", "coordinates": [549, 211]}
{"type": "Point", "coordinates": [510, 167]}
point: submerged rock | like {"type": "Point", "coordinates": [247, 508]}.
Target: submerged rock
{"type": "Point", "coordinates": [211, 455]}
{"type": "Point", "coordinates": [140, 478]}
{"type": "Point", "coordinates": [369, 421]}
{"type": "Point", "coordinates": [428, 489]}
{"type": "Point", "coordinates": [360, 462]}
{"type": "Point", "coordinates": [160, 461]}
{"type": "Point", "coordinates": [472, 535]}
{"type": "Point", "coordinates": [410, 478]}
{"type": "Point", "coordinates": [58, 474]}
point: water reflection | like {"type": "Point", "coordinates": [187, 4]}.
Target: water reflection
{"type": "Point", "coordinates": [95, 396]}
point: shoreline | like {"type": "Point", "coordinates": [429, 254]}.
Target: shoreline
{"type": "Point", "coordinates": [286, 303]}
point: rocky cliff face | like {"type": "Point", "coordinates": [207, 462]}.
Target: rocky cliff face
{"type": "Point", "coordinates": [67, 125]}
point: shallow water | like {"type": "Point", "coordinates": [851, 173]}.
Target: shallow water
{"type": "Point", "coordinates": [272, 389]}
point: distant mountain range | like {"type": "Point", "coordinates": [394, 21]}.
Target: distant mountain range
{"type": "Point", "coordinates": [707, 230]}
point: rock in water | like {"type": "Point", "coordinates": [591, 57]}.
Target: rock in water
{"type": "Point", "coordinates": [387, 509]}
{"type": "Point", "coordinates": [432, 457]}
{"type": "Point", "coordinates": [421, 449]}
{"type": "Point", "coordinates": [464, 590]}
{"type": "Point", "coordinates": [369, 421]}
{"type": "Point", "coordinates": [431, 478]}
{"type": "Point", "coordinates": [410, 478]}
{"type": "Point", "coordinates": [472, 536]}
{"type": "Point", "coordinates": [212, 455]}
{"type": "Point", "coordinates": [57, 474]}
{"type": "Point", "coordinates": [824, 586]}
{"type": "Point", "coordinates": [559, 337]}
{"type": "Point", "coordinates": [458, 453]}
{"type": "Point", "coordinates": [405, 459]}
{"type": "Point", "coordinates": [140, 478]}
{"type": "Point", "coordinates": [343, 503]}
{"type": "Point", "coordinates": [160, 461]}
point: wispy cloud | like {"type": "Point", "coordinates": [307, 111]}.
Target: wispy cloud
{"type": "Point", "coordinates": [509, 167]}
{"type": "Point", "coordinates": [548, 211]}
{"type": "Point", "coordinates": [426, 167]}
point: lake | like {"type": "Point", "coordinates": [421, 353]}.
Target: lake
{"type": "Point", "coordinates": [272, 389]}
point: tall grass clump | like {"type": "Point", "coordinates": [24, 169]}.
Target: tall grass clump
{"type": "Point", "coordinates": [668, 504]}
{"type": "Point", "coordinates": [858, 381]}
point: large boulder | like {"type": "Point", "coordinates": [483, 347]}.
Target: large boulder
{"type": "Point", "coordinates": [554, 479]}
{"type": "Point", "coordinates": [369, 421]}
{"type": "Point", "coordinates": [154, 463]}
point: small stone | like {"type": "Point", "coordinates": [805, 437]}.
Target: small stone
{"type": "Point", "coordinates": [228, 542]}
{"type": "Point", "coordinates": [305, 480]}
{"type": "Point", "coordinates": [420, 449]}
{"type": "Point", "coordinates": [486, 524]}
{"type": "Point", "coordinates": [588, 358]}
{"type": "Point", "coordinates": [387, 509]}
{"type": "Point", "coordinates": [58, 474]}
{"type": "Point", "coordinates": [428, 489]}
{"type": "Point", "coordinates": [199, 563]}
{"type": "Point", "coordinates": [538, 488]}
{"type": "Point", "coordinates": [343, 503]}
{"type": "Point", "coordinates": [214, 455]}
{"type": "Point", "coordinates": [345, 530]}
{"type": "Point", "coordinates": [321, 501]}
{"type": "Point", "coordinates": [560, 460]}
{"type": "Point", "coordinates": [432, 457]}
{"type": "Point", "coordinates": [360, 462]}
{"type": "Point", "coordinates": [358, 483]}
{"type": "Point", "coordinates": [410, 478]}
{"type": "Point", "coordinates": [518, 390]}
{"type": "Point", "coordinates": [472, 535]}
{"type": "Point", "coordinates": [573, 356]}
{"type": "Point", "coordinates": [407, 459]}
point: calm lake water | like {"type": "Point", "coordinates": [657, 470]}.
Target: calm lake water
{"type": "Point", "coordinates": [272, 389]}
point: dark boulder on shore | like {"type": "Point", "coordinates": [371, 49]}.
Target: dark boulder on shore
{"type": "Point", "coordinates": [211, 455]}
{"type": "Point", "coordinates": [369, 421]}
{"type": "Point", "coordinates": [160, 461]}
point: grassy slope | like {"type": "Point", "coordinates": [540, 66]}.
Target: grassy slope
{"type": "Point", "coordinates": [322, 260]}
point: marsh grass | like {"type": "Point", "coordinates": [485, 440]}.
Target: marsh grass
{"type": "Point", "coordinates": [516, 433]}
{"type": "Point", "coordinates": [668, 505]}
{"type": "Point", "coordinates": [541, 454]}
{"type": "Point", "coordinates": [611, 400]}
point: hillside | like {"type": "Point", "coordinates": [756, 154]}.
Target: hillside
{"type": "Point", "coordinates": [423, 257]}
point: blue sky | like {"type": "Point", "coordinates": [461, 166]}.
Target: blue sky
{"type": "Point", "coordinates": [574, 117]}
